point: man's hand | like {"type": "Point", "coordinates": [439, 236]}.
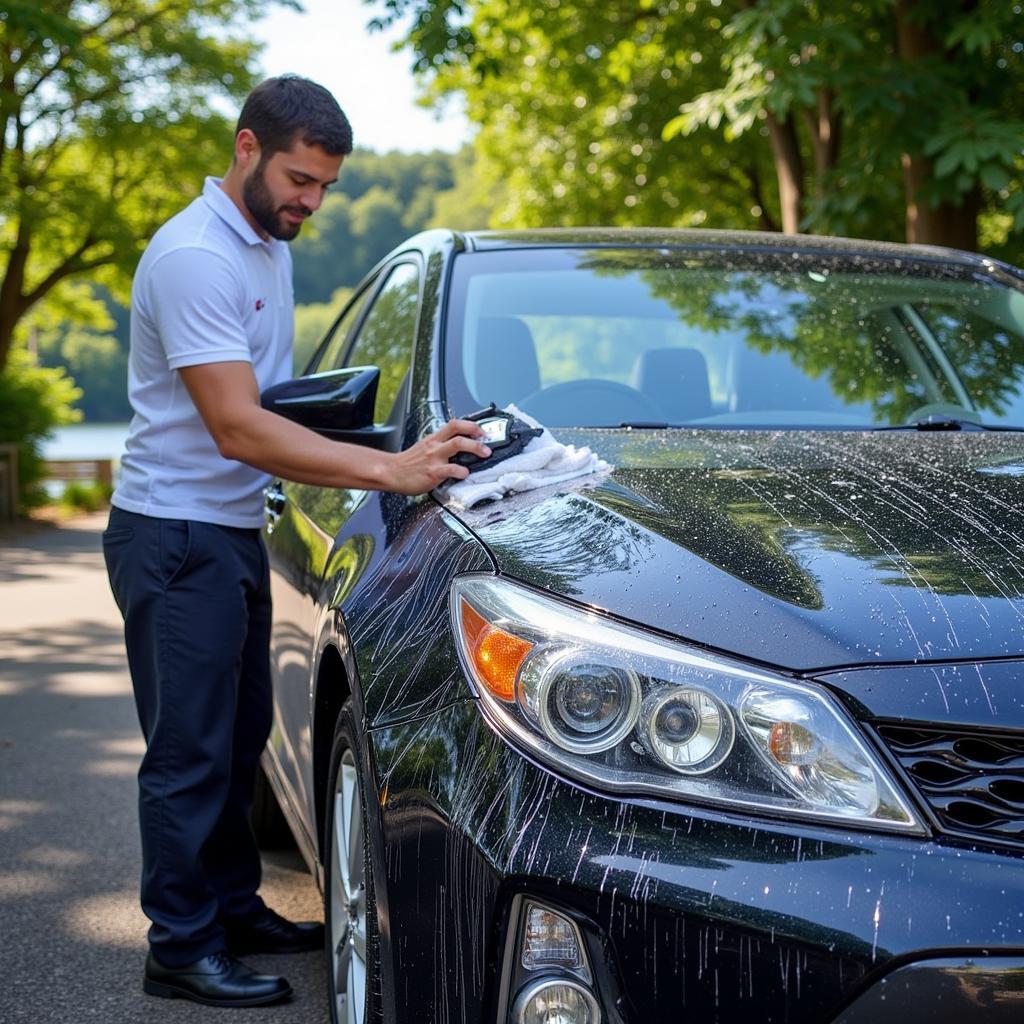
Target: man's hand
{"type": "Point", "coordinates": [425, 465]}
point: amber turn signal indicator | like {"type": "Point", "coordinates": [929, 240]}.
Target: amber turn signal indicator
{"type": "Point", "coordinates": [497, 656]}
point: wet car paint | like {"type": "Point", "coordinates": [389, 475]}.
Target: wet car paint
{"type": "Point", "coordinates": [701, 910]}
{"type": "Point", "coordinates": [804, 550]}
{"type": "Point", "coordinates": [820, 553]}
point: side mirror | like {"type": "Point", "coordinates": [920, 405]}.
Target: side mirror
{"type": "Point", "coordinates": [337, 404]}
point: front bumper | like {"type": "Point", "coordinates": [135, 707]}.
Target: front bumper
{"type": "Point", "coordinates": [687, 913]}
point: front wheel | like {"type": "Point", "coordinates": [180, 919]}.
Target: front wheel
{"type": "Point", "coordinates": [350, 909]}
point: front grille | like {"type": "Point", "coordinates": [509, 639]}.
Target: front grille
{"type": "Point", "coordinates": [972, 780]}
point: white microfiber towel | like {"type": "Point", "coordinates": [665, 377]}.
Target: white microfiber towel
{"type": "Point", "coordinates": [544, 461]}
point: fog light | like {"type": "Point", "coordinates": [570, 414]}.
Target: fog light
{"type": "Point", "coordinates": [550, 940]}
{"type": "Point", "coordinates": [556, 1002]}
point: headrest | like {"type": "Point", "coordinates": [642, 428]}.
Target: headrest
{"type": "Point", "coordinates": [506, 361]}
{"type": "Point", "coordinates": [677, 380]}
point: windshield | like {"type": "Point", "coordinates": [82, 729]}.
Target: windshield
{"type": "Point", "coordinates": [746, 339]}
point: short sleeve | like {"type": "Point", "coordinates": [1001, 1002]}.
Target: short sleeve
{"type": "Point", "coordinates": [196, 299]}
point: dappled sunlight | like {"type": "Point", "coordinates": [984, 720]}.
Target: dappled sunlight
{"type": "Point", "coordinates": [54, 857]}
{"type": "Point", "coordinates": [24, 565]}
{"type": "Point", "coordinates": [20, 807]}
{"type": "Point", "coordinates": [83, 658]}
{"type": "Point", "coordinates": [111, 919]}
{"type": "Point", "coordinates": [100, 684]}
{"type": "Point", "coordinates": [125, 747]}
{"type": "Point", "coordinates": [23, 884]}
{"type": "Point", "coordinates": [70, 747]}
{"type": "Point", "coordinates": [112, 767]}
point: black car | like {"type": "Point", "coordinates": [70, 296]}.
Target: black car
{"type": "Point", "coordinates": [731, 732]}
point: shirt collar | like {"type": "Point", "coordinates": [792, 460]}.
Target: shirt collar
{"type": "Point", "coordinates": [224, 206]}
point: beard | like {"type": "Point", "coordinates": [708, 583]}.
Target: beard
{"type": "Point", "coordinates": [260, 203]}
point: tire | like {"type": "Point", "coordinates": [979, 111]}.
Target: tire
{"type": "Point", "coordinates": [350, 910]}
{"type": "Point", "coordinates": [269, 825]}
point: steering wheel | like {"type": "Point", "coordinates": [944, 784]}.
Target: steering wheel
{"type": "Point", "coordinates": [592, 403]}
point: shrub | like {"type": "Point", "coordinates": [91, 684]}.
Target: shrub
{"type": "Point", "coordinates": [33, 400]}
{"type": "Point", "coordinates": [86, 497]}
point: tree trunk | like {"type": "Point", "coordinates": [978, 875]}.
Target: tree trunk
{"type": "Point", "coordinates": [952, 224]}
{"type": "Point", "coordinates": [949, 223]}
{"type": "Point", "coordinates": [825, 127]}
{"type": "Point", "coordinates": [789, 168]}
{"type": "Point", "coordinates": [12, 302]}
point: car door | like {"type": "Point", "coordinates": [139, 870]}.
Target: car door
{"type": "Point", "coordinates": [377, 329]}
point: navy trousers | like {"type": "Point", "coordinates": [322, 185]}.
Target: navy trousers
{"type": "Point", "coordinates": [196, 604]}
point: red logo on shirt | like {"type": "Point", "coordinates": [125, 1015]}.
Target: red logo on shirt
{"type": "Point", "coordinates": [259, 305]}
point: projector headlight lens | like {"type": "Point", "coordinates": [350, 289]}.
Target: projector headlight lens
{"type": "Point", "coordinates": [622, 709]}
{"type": "Point", "coordinates": [688, 730]}
{"type": "Point", "coordinates": [580, 704]}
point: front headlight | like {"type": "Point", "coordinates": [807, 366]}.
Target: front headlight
{"type": "Point", "coordinates": [625, 710]}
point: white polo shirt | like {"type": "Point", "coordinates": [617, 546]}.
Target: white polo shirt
{"type": "Point", "coordinates": [208, 289]}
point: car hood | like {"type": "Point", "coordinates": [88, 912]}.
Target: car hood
{"type": "Point", "coordinates": [799, 549]}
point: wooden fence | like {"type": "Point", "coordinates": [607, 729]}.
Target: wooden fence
{"type": "Point", "coordinates": [84, 471]}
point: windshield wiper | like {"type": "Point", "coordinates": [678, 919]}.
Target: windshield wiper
{"type": "Point", "coordinates": [939, 422]}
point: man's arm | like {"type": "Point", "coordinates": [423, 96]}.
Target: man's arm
{"type": "Point", "coordinates": [228, 399]}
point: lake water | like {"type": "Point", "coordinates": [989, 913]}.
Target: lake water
{"type": "Point", "coordinates": [87, 441]}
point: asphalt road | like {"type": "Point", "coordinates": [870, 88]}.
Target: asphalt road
{"type": "Point", "coordinates": [74, 939]}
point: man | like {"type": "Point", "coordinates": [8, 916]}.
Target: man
{"type": "Point", "coordinates": [211, 326]}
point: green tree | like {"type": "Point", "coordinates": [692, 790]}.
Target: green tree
{"type": "Point", "coordinates": [33, 400]}
{"type": "Point", "coordinates": [468, 204]}
{"type": "Point", "coordinates": [107, 124]}
{"type": "Point", "coordinates": [312, 322]}
{"type": "Point", "coordinates": [99, 367]}
{"type": "Point", "coordinates": [570, 101]}
{"type": "Point", "coordinates": [878, 117]}
{"type": "Point", "coordinates": [379, 200]}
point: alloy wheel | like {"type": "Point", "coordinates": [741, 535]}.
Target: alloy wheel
{"type": "Point", "coordinates": [348, 896]}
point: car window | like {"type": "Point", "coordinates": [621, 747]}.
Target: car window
{"type": "Point", "coordinates": [587, 338]}
{"type": "Point", "coordinates": [386, 336]}
{"type": "Point", "coordinates": [982, 343]}
{"type": "Point", "coordinates": [332, 347]}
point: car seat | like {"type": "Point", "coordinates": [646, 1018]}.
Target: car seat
{"type": "Point", "coordinates": [770, 382]}
{"type": "Point", "coordinates": [676, 380]}
{"type": "Point", "coordinates": [506, 368]}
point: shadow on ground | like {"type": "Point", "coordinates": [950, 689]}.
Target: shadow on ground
{"type": "Point", "coordinates": [69, 850]}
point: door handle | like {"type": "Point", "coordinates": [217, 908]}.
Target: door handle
{"type": "Point", "coordinates": [274, 500]}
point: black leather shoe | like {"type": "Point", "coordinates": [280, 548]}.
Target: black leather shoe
{"type": "Point", "coordinates": [216, 980]}
{"type": "Point", "coordinates": [271, 933]}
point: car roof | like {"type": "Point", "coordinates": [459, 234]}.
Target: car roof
{"type": "Point", "coordinates": [702, 238]}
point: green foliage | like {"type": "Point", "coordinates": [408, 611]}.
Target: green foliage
{"type": "Point", "coordinates": [379, 200]}
{"type": "Point", "coordinates": [737, 113]}
{"type": "Point", "coordinates": [33, 400]}
{"type": "Point", "coordinates": [81, 497]}
{"type": "Point", "coordinates": [98, 363]}
{"type": "Point", "coordinates": [469, 203]}
{"type": "Point", "coordinates": [311, 324]}
{"type": "Point", "coordinates": [107, 125]}
{"type": "Point", "coordinates": [82, 327]}
{"type": "Point", "coordinates": [570, 102]}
